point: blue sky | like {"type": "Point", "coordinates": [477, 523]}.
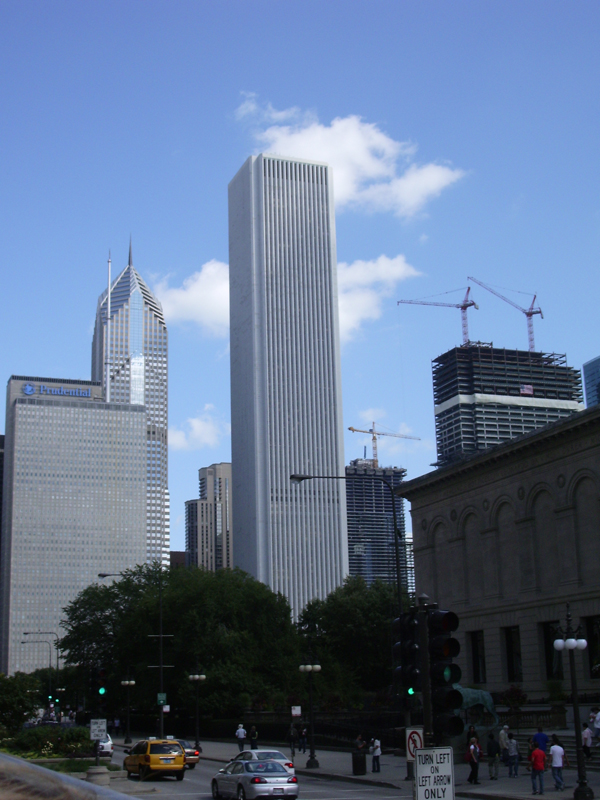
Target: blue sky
{"type": "Point", "coordinates": [464, 140]}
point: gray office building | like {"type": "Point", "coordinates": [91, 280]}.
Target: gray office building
{"type": "Point", "coordinates": [208, 533]}
{"type": "Point", "coordinates": [74, 505]}
{"type": "Point", "coordinates": [591, 381]}
{"type": "Point", "coordinates": [136, 360]}
{"type": "Point", "coordinates": [286, 397]}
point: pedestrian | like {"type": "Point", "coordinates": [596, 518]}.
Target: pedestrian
{"type": "Point", "coordinates": [240, 735]}
{"type": "Point", "coordinates": [253, 738]}
{"type": "Point", "coordinates": [513, 756]}
{"type": "Point", "coordinates": [503, 742]}
{"type": "Point", "coordinates": [302, 740]}
{"type": "Point", "coordinates": [586, 737]}
{"type": "Point", "coordinates": [376, 751]}
{"type": "Point", "coordinates": [470, 734]}
{"type": "Point", "coordinates": [541, 740]}
{"type": "Point", "coordinates": [474, 756]}
{"type": "Point", "coordinates": [493, 754]}
{"type": "Point", "coordinates": [538, 764]}
{"type": "Point", "coordinates": [117, 725]}
{"type": "Point", "coordinates": [293, 738]}
{"type": "Point", "coordinates": [530, 748]}
{"type": "Point", "coordinates": [359, 743]}
{"type": "Point", "coordinates": [559, 759]}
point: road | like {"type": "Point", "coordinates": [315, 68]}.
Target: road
{"type": "Point", "coordinates": [196, 784]}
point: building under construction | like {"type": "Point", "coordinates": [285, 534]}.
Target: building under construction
{"type": "Point", "coordinates": [371, 544]}
{"type": "Point", "coordinates": [486, 395]}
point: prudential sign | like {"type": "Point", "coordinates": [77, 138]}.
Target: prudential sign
{"type": "Point", "coordinates": [30, 389]}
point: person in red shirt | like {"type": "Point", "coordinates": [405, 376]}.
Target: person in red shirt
{"type": "Point", "coordinates": [538, 763]}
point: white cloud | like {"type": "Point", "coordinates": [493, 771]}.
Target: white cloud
{"type": "Point", "coordinates": [206, 430]}
{"type": "Point", "coordinates": [371, 170]}
{"type": "Point", "coordinates": [362, 287]}
{"type": "Point", "coordinates": [203, 298]}
{"type": "Point", "coordinates": [370, 414]}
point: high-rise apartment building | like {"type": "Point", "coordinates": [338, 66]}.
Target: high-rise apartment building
{"type": "Point", "coordinates": [208, 534]}
{"type": "Point", "coordinates": [286, 402]}
{"type": "Point", "coordinates": [371, 535]}
{"type": "Point", "coordinates": [591, 380]}
{"type": "Point", "coordinates": [136, 360]}
{"type": "Point", "coordinates": [74, 505]}
{"type": "Point", "coordinates": [486, 395]}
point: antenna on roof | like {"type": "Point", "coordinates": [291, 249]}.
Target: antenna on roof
{"type": "Point", "coordinates": [107, 360]}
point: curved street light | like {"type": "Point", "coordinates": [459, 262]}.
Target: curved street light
{"type": "Point", "coordinates": [128, 684]}
{"type": "Point", "coordinates": [312, 762]}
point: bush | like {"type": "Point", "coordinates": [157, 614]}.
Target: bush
{"type": "Point", "coordinates": [47, 741]}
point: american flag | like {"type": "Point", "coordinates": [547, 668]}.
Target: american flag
{"type": "Point", "coordinates": [526, 388]}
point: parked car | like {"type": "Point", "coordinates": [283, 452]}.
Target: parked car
{"type": "Point", "coordinates": [105, 746]}
{"type": "Point", "coordinates": [192, 754]}
{"type": "Point", "coordinates": [246, 780]}
{"type": "Point", "coordinates": [164, 756]}
{"type": "Point", "coordinates": [264, 755]}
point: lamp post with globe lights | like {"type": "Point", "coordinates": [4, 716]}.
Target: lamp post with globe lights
{"type": "Point", "coordinates": [197, 679]}
{"type": "Point", "coordinates": [128, 684]}
{"type": "Point", "coordinates": [571, 640]}
{"type": "Point", "coordinates": [312, 762]}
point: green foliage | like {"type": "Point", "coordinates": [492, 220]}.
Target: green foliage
{"type": "Point", "coordinates": [46, 741]}
{"type": "Point", "coordinates": [514, 697]}
{"type": "Point", "coordinates": [19, 696]}
{"type": "Point", "coordinates": [351, 630]}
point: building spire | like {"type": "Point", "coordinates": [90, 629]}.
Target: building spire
{"type": "Point", "coordinates": [130, 262]}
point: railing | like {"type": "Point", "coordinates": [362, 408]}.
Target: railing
{"type": "Point", "coordinates": [550, 719]}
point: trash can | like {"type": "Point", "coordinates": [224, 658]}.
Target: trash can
{"type": "Point", "coordinates": [359, 763]}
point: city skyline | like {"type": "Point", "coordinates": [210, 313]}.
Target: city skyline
{"type": "Point", "coordinates": [131, 118]}
{"type": "Point", "coordinates": [286, 401]}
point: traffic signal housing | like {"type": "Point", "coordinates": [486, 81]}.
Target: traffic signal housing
{"type": "Point", "coordinates": [102, 681]}
{"type": "Point", "coordinates": [445, 699]}
{"type": "Point", "coordinates": [406, 652]}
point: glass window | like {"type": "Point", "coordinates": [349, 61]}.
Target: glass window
{"type": "Point", "coordinates": [477, 657]}
{"type": "Point", "coordinates": [592, 629]}
{"type": "Point", "coordinates": [514, 664]}
{"type": "Point", "coordinates": [552, 657]}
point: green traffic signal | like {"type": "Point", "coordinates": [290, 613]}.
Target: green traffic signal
{"type": "Point", "coordinates": [102, 690]}
{"type": "Point", "coordinates": [411, 690]}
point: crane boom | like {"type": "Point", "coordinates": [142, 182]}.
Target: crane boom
{"type": "Point", "coordinates": [375, 434]}
{"type": "Point", "coordinates": [529, 312]}
{"type": "Point", "coordinates": [466, 303]}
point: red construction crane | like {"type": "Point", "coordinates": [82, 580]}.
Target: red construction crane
{"type": "Point", "coordinates": [381, 433]}
{"type": "Point", "coordinates": [529, 312]}
{"type": "Point", "coordinates": [466, 303]}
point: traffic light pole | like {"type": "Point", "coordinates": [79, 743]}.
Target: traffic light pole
{"type": "Point", "coordinates": [425, 669]}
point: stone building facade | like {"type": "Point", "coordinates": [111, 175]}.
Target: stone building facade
{"type": "Point", "coordinates": [505, 539]}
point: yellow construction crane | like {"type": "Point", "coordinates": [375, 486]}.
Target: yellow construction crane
{"type": "Point", "coordinates": [377, 433]}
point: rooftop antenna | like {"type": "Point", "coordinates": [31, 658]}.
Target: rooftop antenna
{"type": "Point", "coordinates": [107, 393]}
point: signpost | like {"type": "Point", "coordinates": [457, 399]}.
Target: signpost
{"type": "Point", "coordinates": [161, 699]}
{"type": "Point", "coordinates": [434, 773]}
{"type": "Point", "coordinates": [414, 741]}
{"type": "Point", "coordinates": [296, 711]}
{"type": "Point", "coordinates": [97, 732]}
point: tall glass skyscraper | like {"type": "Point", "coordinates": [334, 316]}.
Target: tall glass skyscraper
{"type": "Point", "coordinates": [136, 361]}
{"type": "Point", "coordinates": [591, 379]}
{"type": "Point", "coordinates": [208, 541]}
{"type": "Point", "coordinates": [286, 400]}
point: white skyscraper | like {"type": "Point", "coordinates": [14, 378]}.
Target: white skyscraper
{"type": "Point", "coordinates": [286, 402]}
{"type": "Point", "coordinates": [137, 363]}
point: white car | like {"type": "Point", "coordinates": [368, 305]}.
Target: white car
{"type": "Point", "coordinates": [267, 755]}
{"type": "Point", "coordinates": [105, 746]}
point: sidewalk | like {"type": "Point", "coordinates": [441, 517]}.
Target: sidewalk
{"type": "Point", "coordinates": [337, 765]}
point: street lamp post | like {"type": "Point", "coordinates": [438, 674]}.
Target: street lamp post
{"type": "Point", "coordinates": [128, 684]}
{"type": "Point", "coordinates": [571, 640]}
{"type": "Point", "coordinates": [45, 633]}
{"type": "Point", "coordinates": [197, 680]}
{"type": "Point", "coordinates": [397, 535]}
{"type": "Point", "coordinates": [44, 641]}
{"type": "Point", "coordinates": [312, 762]}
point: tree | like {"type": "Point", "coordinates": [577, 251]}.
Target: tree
{"type": "Point", "coordinates": [19, 698]}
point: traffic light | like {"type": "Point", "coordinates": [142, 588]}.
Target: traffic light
{"type": "Point", "coordinates": [406, 651]}
{"type": "Point", "coordinates": [442, 649]}
{"type": "Point", "coordinates": [102, 681]}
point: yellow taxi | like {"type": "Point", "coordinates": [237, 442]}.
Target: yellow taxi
{"type": "Point", "coordinates": [155, 756]}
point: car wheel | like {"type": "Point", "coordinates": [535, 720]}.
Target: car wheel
{"type": "Point", "coordinates": [191, 766]}
{"type": "Point", "coordinates": [179, 775]}
{"type": "Point", "coordinates": [215, 790]}
{"type": "Point", "coordinates": [241, 793]}
{"type": "Point", "coordinates": [144, 773]}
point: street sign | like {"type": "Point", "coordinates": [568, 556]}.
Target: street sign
{"type": "Point", "coordinates": [296, 711]}
{"type": "Point", "coordinates": [97, 728]}
{"type": "Point", "coordinates": [414, 742]}
{"type": "Point", "coordinates": [161, 699]}
{"type": "Point", "coordinates": [434, 773]}
{"type": "Point", "coordinates": [166, 709]}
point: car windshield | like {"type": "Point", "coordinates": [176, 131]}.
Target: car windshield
{"type": "Point", "coordinates": [264, 754]}
{"type": "Point", "coordinates": [264, 766]}
{"type": "Point", "coordinates": [185, 744]}
{"type": "Point", "coordinates": [168, 749]}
